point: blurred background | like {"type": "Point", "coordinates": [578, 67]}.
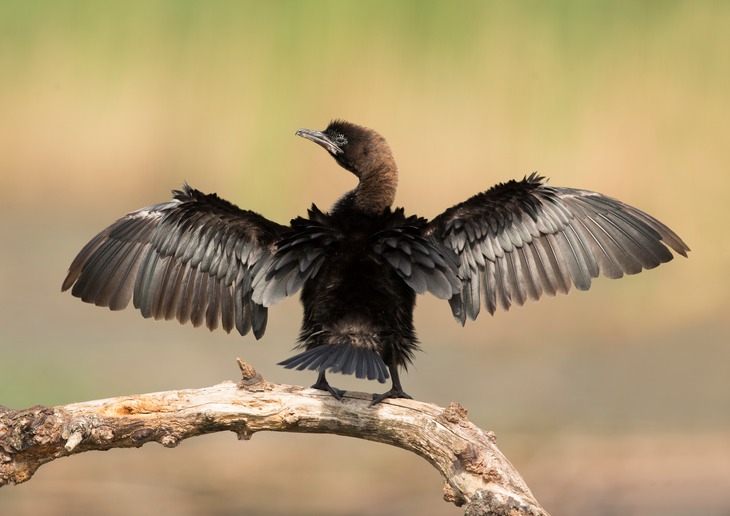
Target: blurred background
{"type": "Point", "coordinates": [615, 401]}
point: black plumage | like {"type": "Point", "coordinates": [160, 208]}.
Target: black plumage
{"type": "Point", "coordinates": [200, 259]}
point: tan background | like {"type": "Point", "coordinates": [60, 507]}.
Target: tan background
{"type": "Point", "coordinates": [615, 401]}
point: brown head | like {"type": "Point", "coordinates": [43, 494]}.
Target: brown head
{"type": "Point", "coordinates": [366, 154]}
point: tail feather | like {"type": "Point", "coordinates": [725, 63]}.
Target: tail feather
{"type": "Point", "coordinates": [340, 358]}
{"type": "Point", "coordinates": [348, 360]}
{"type": "Point", "coordinates": [305, 360]}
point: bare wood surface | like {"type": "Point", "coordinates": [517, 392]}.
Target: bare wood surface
{"type": "Point", "coordinates": [476, 474]}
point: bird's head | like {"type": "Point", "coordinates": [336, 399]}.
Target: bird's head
{"type": "Point", "coordinates": [358, 149]}
{"type": "Point", "coordinates": [366, 154]}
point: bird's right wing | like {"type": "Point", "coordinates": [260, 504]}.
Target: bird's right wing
{"type": "Point", "coordinates": [523, 239]}
{"type": "Point", "coordinates": [191, 258]}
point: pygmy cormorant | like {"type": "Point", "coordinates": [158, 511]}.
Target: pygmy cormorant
{"type": "Point", "coordinates": [201, 259]}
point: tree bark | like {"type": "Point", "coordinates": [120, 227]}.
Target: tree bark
{"type": "Point", "coordinates": [475, 472]}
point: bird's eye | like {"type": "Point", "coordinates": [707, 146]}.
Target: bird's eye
{"type": "Point", "coordinates": [340, 140]}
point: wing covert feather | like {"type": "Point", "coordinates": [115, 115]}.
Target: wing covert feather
{"type": "Point", "coordinates": [422, 262]}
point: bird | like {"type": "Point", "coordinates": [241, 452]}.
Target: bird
{"type": "Point", "coordinates": [359, 266]}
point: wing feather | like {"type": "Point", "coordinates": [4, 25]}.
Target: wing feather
{"type": "Point", "coordinates": [522, 239]}
{"type": "Point", "coordinates": [423, 263]}
{"type": "Point", "coordinates": [190, 258]}
{"type": "Point", "coordinates": [298, 257]}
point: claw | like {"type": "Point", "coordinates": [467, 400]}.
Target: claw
{"type": "Point", "coordinates": [392, 393]}
{"type": "Point", "coordinates": [395, 392]}
{"type": "Point", "coordinates": [323, 385]}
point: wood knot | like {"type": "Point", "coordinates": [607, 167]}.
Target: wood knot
{"type": "Point", "coordinates": [169, 441]}
{"type": "Point", "coordinates": [77, 430]}
{"type": "Point", "coordinates": [453, 496]}
{"type": "Point", "coordinates": [249, 376]}
{"type": "Point", "coordinates": [473, 460]}
{"type": "Point", "coordinates": [243, 432]}
{"type": "Point", "coordinates": [142, 435]}
{"type": "Point", "coordinates": [291, 419]}
{"type": "Point", "coordinates": [455, 413]}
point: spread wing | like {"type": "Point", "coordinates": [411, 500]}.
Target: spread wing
{"type": "Point", "coordinates": [190, 258]}
{"type": "Point", "coordinates": [523, 239]}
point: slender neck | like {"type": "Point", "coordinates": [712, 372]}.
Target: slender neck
{"type": "Point", "coordinates": [376, 190]}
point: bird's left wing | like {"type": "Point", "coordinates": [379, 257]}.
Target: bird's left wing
{"type": "Point", "coordinates": [523, 239]}
{"type": "Point", "coordinates": [191, 258]}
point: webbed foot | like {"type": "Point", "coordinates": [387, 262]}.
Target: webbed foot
{"type": "Point", "coordinates": [395, 392]}
{"type": "Point", "coordinates": [323, 385]}
{"type": "Point", "coordinates": [392, 393]}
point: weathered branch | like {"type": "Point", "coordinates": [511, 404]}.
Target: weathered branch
{"type": "Point", "coordinates": [475, 471]}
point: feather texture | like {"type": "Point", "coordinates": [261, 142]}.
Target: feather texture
{"type": "Point", "coordinates": [521, 239]}
{"type": "Point", "coordinates": [190, 259]}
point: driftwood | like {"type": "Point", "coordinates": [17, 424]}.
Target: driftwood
{"type": "Point", "coordinates": [476, 473]}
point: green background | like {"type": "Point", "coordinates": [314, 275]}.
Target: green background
{"type": "Point", "coordinates": [615, 401]}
